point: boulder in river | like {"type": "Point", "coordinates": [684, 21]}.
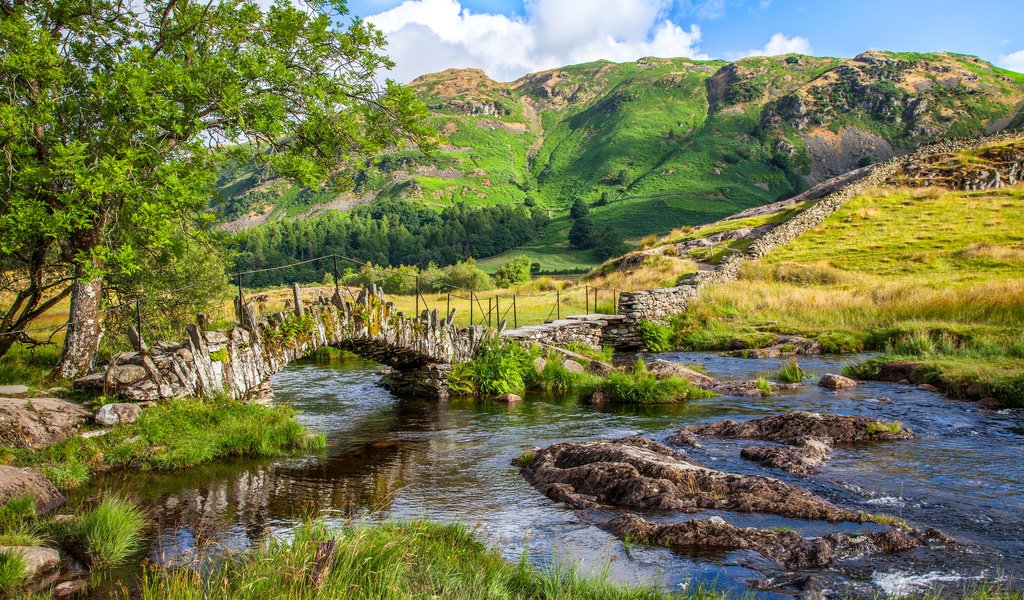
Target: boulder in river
{"type": "Point", "coordinates": [786, 547]}
{"type": "Point", "coordinates": [39, 422]}
{"type": "Point", "coordinates": [836, 382]}
{"type": "Point", "coordinates": [663, 368]}
{"type": "Point", "coordinates": [642, 474]}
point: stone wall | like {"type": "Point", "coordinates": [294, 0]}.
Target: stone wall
{"type": "Point", "coordinates": [594, 330]}
{"type": "Point", "coordinates": [661, 303]}
{"type": "Point", "coordinates": [239, 362]}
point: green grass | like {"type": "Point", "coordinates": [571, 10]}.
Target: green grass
{"type": "Point", "coordinates": [498, 368]}
{"type": "Point", "coordinates": [657, 337]}
{"type": "Point", "coordinates": [931, 277]}
{"type": "Point", "coordinates": [28, 367]}
{"type": "Point", "coordinates": [791, 372]}
{"type": "Point", "coordinates": [110, 532]}
{"type": "Point", "coordinates": [392, 560]}
{"type": "Point", "coordinates": [18, 523]}
{"type": "Point", "coordinates": [764, 386]}
{"type": "Point", "coordinates": [884, 427]}
{"type": "Point", "coordinates": [174, 435]}
{"type": "Point", "coordinates": [12, 572]}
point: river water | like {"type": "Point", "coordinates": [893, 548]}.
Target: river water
{"type": "Point", "coordinates": [390, 457]}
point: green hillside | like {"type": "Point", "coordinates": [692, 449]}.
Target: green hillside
{"type": "Point", "coordinates": [657, 143]}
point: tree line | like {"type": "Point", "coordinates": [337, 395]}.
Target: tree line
{"type": "Point", "coordinates": [387, 233]}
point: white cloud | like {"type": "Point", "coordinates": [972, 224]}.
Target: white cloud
{"type": "Point", "coordinates": [780, 44]}
{"type": "Point", "coordinates": [1013, 62]}
{"type": "Point", "coordinates": [432, 35]}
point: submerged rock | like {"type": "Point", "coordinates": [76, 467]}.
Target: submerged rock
{"type": "Point", "coordinates": [39, 422]}
{"type": "Point", "coordinates": [809, 436]}
{"type": "Point", "coordinates": [786, 547]}
{"type": "Point", "coordinates": [641, 474]}
{"type": "Point", "coordinates": [750, 388]}
{"type": "Point", "coordinates": [664, 368]}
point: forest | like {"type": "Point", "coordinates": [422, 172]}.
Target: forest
{"type": "Point", "coordinates": [385, 233]}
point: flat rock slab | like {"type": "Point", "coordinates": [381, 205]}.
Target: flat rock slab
{"type": "Point", "coordinates": [15, 481]}
{"type": "Point", "coordinates": [13, 390]}
{"type": "Point", "coordinates": [39, 422]}
{"type": "Point", "coordinates": [642, 474]}
{"type": "Point", "coordinates": [786, 547]}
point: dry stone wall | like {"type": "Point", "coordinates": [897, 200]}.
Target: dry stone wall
{"type": "Point", "coordinates": [661, 303]}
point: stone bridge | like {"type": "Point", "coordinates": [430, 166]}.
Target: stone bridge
{"type": "Point", "coordinates": [240, 362]}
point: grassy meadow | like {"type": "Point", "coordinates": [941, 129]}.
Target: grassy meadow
{"type": "Point", "coordinates": [923, 275]}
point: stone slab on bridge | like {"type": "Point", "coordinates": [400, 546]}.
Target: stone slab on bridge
{"type": "Point", "coordinates": [240, 362]}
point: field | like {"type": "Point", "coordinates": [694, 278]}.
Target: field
{"type": "Point", "coordinates": [928, 276]}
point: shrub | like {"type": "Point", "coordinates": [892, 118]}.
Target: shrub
{"type": "Point", "coordinates": [515, 271]}
{"type": "Point", "coordinates": [657, 337]}
{"type": "Point", "coordinates": [791, 372]}
{"type": "Point", "coordinates": [110, 532]}
{"type": "Point", "coordinates": [498, 368]}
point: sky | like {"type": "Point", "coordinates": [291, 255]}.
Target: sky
{"type": "Point", "coordinates": [509, 38]}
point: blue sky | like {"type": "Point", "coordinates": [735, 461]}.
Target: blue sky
{"type": "Point", "coordinates": [510, 37]}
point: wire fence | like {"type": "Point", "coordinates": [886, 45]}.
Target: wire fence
{"type": "Point", "coordinates": [153, 314]}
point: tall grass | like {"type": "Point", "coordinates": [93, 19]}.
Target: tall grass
{"type": "Point", "coordinates": [637, 385]}
{"type": "Point", "coordinates": [791, 372]}
{"type": "Point", "coordinates": [417, 559]}
{"type": "Point", "coordinates": [657, 337]}
{"type": "Point", "coordinates": [175, 435]}
{"type": "Point", "coordinates": [12, 572]}
{"type": "Point", "coordinates": [18, 523]}
{"type": "Point", "coordinates": [110, 532]}
{"type": "Point", "coordinates": [498, 368]}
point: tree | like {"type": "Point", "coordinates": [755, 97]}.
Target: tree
{"type": "Point", "coordinates": [529, 202]}
{"type": "Point", "coordinates": [603, 200]}
{"type": "Point", "coordinates": [116, 116]}
{"type": "Point", "coordinates": [582, 234]}
{"type": "Point", "coordinates": [608, 243]}
{"type": "Point", "coordinates": [515, 271]}
{"type": "Point", "coordinates": [579, 209]}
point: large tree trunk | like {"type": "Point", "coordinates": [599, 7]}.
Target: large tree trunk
{"type": "Point", "coordinates": [85, 329]}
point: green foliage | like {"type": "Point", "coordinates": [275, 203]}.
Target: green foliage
{"type": "Point", "coordinates": [657, 337]}
{"type": "Point", "coordinates": [556, 378]}
{"type": "Point", "coordinates": [220, 355]}
{"type": "Point", "coordinates": [513, 272]}
{"type": "Point", "coordinates": [415, 559]}
{"type": "Point", "coordinates": [174, 435]}
{"type": "Point", "coordinates": [791, 372]}
{"type": "Point", "coordinates": [583, 234]}
{"type": "Point", "coordinates": [168, 89]}
{"type": "Point", "coordinates": [110, 532]}
{"type": "Point", "coordinates": [18, 523]}
{"type": "Point", "coordinates": [764, 386]}
{"type": "Point", "coordinates": [498, 368]}
{"type": "Point", "coordinates": [637, 385]}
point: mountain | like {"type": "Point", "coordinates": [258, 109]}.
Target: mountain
{"type": "Point", "coordinates": [659, 143]}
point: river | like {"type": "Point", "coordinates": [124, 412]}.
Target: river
{"type": "Point", "coordinates": [389, 457]}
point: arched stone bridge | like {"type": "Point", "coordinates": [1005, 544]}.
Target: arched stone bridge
{"type": "Point", "coordinates": [241, 361]}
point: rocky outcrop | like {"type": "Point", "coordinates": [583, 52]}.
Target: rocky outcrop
{"type": "Point", "coordinates": [782, 345]}
{"type": "Point", "coordinates": [15, 482]}
{"type": "Point", "coordinates": [988, 168]}
{"type": "Point", "coordinates": [640, 474]}
{"type": "Point", "coordinates": [663, 368]}
{"type": "Point", "coordinates": [786, 547]}
{"type": "Point", "coordinates": [808, 437]}
{"type": "Point", "coordinates": [39, 422]}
